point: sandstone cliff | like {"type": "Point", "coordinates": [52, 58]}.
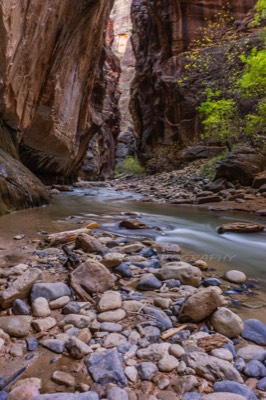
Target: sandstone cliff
{"type": "Point", "coordinates": [51, 67]}
{"type": "Point", "coordinates": [122, 48]}
{"type": "Point", "coordinates": [164, 111]}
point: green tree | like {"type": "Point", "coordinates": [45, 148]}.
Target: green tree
{"type": "Point", "coordinates": [219, 118]}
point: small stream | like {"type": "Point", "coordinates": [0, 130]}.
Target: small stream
{"type": "Point", "coordinates": [193, 229]}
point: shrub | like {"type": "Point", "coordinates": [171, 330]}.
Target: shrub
{"type": "Point", "coordinates": [129, 165]}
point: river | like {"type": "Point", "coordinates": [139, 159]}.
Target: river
{"type": "Point", "coordinates": [195, 230]}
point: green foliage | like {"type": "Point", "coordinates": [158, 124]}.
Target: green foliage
{"type": "Point", "coordinates": [253, 80]}
{"type": "Point", "coordinates": [260, 13]}
{"type": "Point", "coordinates": [129, 165]}
{"type": "Point", "coordinates": [219, 117]}
{"type": "Point", "coordinates": [209, 168]}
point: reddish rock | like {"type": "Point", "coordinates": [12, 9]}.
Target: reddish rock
{"type": "Point", "coordinates": [241, 227]}
{"type": "Point", "coordinates": [91, 277]}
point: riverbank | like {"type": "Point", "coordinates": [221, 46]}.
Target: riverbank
{"type": "Point", "coordinates": [190, 186]}
{"type": "Point", "coordinates": [111, 316]}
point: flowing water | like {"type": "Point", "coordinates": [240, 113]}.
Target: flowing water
{"type": "Point", "coordinates": [193, 229]}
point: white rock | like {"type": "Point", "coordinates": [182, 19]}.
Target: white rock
{"type": "Point", "coordinates": [44, 324]}
{"type": "Point", "coordinates": [235, 276]}
{"type": "Point", "coordinates": [131, 373]}
{"type": "Point", "coordinates": [40, 307]}
{"type": "Point", "coordinates": [110, 300]}
{"type": "Point", "coordinates": [112, 316]}
{"type": "Point", "coordinates": [59, 303]}
{"type": "Point", "coordinates": [168, 363]}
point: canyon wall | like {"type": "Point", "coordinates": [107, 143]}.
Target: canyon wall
{"type": "Point", "coordinates": [52, 60]}
{"type": "Point", "coordinates": [122, 48]}
{"type": "Point", "coordinates": [164, 111]}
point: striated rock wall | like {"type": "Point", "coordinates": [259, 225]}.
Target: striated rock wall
{"type": "Point", "coordinates": [100, 156]}
{"type": "Point", "coordinates": [163, 112]}
{"type": "Point", "coordinates": [51, 54]}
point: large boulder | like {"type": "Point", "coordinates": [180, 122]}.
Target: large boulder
{"type": "Point", "coordinates": [242, 164]}
{"type": "Point", "coordinates": [200, 305]}
{"type": "Point", "coordinates": [91, 277]}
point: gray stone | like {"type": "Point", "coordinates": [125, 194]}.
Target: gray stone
{"type": "Point", "coordinates": [182, 271]}
{"type": "Point", "coordinates": [68, 396]}
{"type": "Point", "coordinates": [59, 303]}
{"type": "Point", "coordinates": [50, 291]}
{"type": "Point", "coordinates": [236, 388]}
{"type": "Point", "coordinates": [176, 350]}
{"type": "Point", "coordinates": [147, 370]}
{"type": "Point", "coordinates": [162, 303]}
{"type": "Point", "coordinates": [111, 327]}
{"type": "Point", "coordinates": [114, 340]}
{"type": "Point", "coordinates": [151, 333]}
{"type": "Point", "coordinates": [73, 307]}
{"type": "Point", "coordinates": [227, 323]}
{"type": "Point", "coordinates": [19, 307]}
{"type": "Point", "coordinates": [54, 345]}
{"type": "Point", "coordinates": [261, 385]}
{"type": "Point", "coordinates": [191, 396]}
{"type": "Point", "coordinates": [154, 352]}
{"type": "Point", "coordinates": [255, 331]}
{"type": "Point", "coordinates": [44, 324]}
{"type": "Point", "coordinates": [255, 369]}
{"type": "Point", "coordinates": [77, 348]}
{"type": "Point", "coordinates": [223, 396]}
{"type": "Point", "coordinates": [17, 326]}
{"type": "Point", "coordinates": [106, 367]}
{"type": "Point", "coordinates": [149, 282]}
{"type": "Point", "coordinates": [112, 316]}
{"type": "Point", "coordinates": [252, 352]}
{"type": "Point", "coordinates": [63, 378]}
{"type": "Point", "coordinates": [131, 373]}
{"type": "Point", "coordinates": [20, 288]}
{"type": "Point", "coordinates": [32, 344]}
{"type": "Point", "coordinates": [168, 363]}
{"type": "Point", "coordinates": [116, 393]}
{"type": "Point", "coordinates": [163, 320]}
{"type": "Point", "coordinates": [224, 354]}
{"type": "Point", "coordinates": [40, 307]}
{"type": "Point", "coordinates": [79, 321]}
{"type": "Point", "coordinates": [212, 368]}
{"type": "Point", "coordinates": [110, 300]}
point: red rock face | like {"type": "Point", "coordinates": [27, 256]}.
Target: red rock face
{"type": "Point", "coordinates": [162, 32]}
{"type": "Point", "coordinates": [51, 54]}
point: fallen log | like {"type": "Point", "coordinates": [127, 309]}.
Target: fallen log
{"type": "Point", "coordinates": [56, 239]}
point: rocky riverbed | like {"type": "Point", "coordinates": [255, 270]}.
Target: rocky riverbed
{"type": "Point", "coordinates": [91, 314]}
{"type": "Point", "coordinates": [191, 186]}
